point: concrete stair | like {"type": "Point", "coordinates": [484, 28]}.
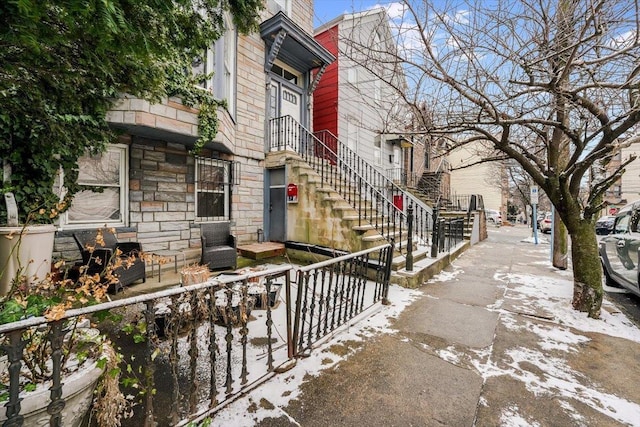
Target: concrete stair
{"type": "Point", "coordinates": [351, 233]}
{"type": "Point", "coordinates": [360, 232]}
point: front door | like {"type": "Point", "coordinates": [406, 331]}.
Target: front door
{"type": "Point", "coordinates": [286, 106]}
{"type": "Point", "coordinates": [277, 205]}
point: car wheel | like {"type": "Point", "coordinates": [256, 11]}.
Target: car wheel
{"type": "Point", "coordinates": [608, 280]}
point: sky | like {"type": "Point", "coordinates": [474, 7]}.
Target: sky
{"type": "Point", "coordinates": [326, 10]}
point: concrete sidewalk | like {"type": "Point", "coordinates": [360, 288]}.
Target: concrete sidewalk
{"type": "Point", "coordinates": [457, 356]}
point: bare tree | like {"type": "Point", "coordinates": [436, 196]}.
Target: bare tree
{"type": "Point", "coordinates": [551, 84]}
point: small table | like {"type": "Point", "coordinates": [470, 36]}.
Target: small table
{"type": "Point", "coordinates": [166, 254]}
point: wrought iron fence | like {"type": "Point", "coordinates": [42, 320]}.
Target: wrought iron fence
{"type": "Point", "coordinates": [450, 232]}
{"type": "Point", "coordinates": [466, 202]}
{"type": "Point", "coordinates": [333, 292]}
{"type": "Point", "coordinates": [189, 350]}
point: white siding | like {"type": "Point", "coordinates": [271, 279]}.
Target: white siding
{"type": "Point", "coordinates": [477, 179]}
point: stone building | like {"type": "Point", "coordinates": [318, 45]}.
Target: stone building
{"type": "Point", "coordinates": [151, 189]}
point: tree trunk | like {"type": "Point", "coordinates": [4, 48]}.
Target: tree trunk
{"type": "Point", "coordinates": [560, 243]}
{"type": "Point", "coordinates": [587, 272]}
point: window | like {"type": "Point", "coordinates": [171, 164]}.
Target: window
{"type": "Point", "coordinates": [220, 60]}
{"type": "Point", "coordinates": [285, 74]}
{"type": "Point", "coordinates": [614, 191]}
{"type": "Point", "coordinates": [213, 189]}
{"type": "Point", "coordinates": [622, 224]}
{"type": "Point", "coordinates": [275, 6]}
{"type": "Point", "coordinates": [353, 135]}
{"type": "Point", "coordinates": [377, 91]}
{"type": "Point", "coordinates": [352, 76]}
{"type": "Point", "coordinates": [634, 222]}
{"type": "Point", "coordinates": [107, 173]}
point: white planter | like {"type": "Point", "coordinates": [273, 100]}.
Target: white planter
{"type": "Point", "coordinates": [28, 248]}
{"type": "Point", "coordinates": [77, 392]}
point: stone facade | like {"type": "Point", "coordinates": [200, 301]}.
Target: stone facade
{"type": "Point", "coordinates": [161, 207]}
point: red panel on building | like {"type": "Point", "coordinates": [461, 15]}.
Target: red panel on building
{"type": "Point", "coordinates": [325, 97]}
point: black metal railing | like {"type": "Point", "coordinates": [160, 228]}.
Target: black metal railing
{"type": "Point", "coordinates": [450, 232]}
{"type": "Point", "coordinates": [465, 202]}
{"type": "Point", "coordinates": [433, 186]}
{"type": "Point", "coordinates": [195, 348]}
{"type": "Point", "coordinates": [401, 197]}
{"type": "Point", "coordinates": [370, 199]}
{"type": "Point", "coordinates": [376, 198]}
{"type": "Point", "coordinates": [398, 176]}
{"type": "Point", "coordinates": [333, 292]}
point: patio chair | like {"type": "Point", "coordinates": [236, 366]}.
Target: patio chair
{"type": "Point", "coordinates": [218, 246]}
{"type": "Point", "coordinates": [103, 254]}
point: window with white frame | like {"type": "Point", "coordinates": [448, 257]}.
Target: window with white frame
{"type": "Point", "coordinates": [377, 91]}
{"type": "Point", "coordinates": [275, 6]}
{"type": "Point", "coordinates": [220, 60]}
{"type": "Point", "coordinates": [213, 189]}
{"type": "Point", "coordinates": [353, 135]}
{"type": "Point", "coordinates": [106, 202]}
{"type": "Point", "coordinates": [352, 76]}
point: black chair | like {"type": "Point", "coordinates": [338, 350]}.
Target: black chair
{"type": "Point", "coordinates": [218, 245]}
{"type": "Point", "coordinates": [97, 256]}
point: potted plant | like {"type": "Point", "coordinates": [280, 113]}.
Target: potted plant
{"type": "Point", "coordinates": [25, 248]}
{"type": "Point", "coordinates": [53, 364]}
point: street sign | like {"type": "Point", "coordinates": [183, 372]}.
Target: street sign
{"type": "Point", "coordinates": [534, 195]}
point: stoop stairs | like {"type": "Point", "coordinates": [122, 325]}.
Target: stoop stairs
{"type": "Point", "coordinates": [364, 234]}
{"type": "Point", "coordinates": [331, 212]}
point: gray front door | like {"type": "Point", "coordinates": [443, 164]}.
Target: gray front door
{"type": "Point", "coordinates": [277, 205]}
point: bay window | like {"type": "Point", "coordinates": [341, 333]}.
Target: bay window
{"type": "Point", "coordinates": [220, 60]}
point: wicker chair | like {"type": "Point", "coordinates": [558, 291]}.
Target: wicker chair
{"type": "Point", "coordinates": [103, 254]}
{"type": "Point", "coordinates": [218, 246]}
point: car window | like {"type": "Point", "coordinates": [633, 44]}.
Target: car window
{"type": "Point", "coordinates": [634, 222]}
{"type": "Point", "coordinates": [622, 224]}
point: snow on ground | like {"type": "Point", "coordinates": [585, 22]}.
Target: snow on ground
{"type": "Point", "coordinates": [553, 295]}
{"type": "Point", "coordinates": [283, 388]}
{"type": "Point", "coordinates": [510, 417]}
{"type": "Point", "coordinates": [447, 276]}
{"type": "Point", "coordinates": [562, 334]}
{"type": "Point", "coordinates": [541, 240]}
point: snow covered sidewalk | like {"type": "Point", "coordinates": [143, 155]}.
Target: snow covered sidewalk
{"type": "Point", "coordinates": [492, 341]}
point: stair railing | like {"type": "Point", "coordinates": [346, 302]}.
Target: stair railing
{"type": "Point", "coordinates": [401, 198]}
{"type": "Point", "coordinates": [436, 188]}
{"type": "Point", "coordinates": [361, 189]}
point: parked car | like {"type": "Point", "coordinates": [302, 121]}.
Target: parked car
{"type": "Point", "coordinates": [619, 250]}
{"type": "Point", "coordinates": [604, 224]}
{"type": "Point", "coordinates": [546, 223]}
{"type": "Point", "coordinates": [493, 216]}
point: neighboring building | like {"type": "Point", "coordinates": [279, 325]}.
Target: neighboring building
{"type": "Point", "coordinates": [155, 192]}
{"type": "Point", "coordinates": [357, 106]}
{"type": "Point", "coordinates": [627, 188]}
{"type": "Point", "coordinates": [488, 179]}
